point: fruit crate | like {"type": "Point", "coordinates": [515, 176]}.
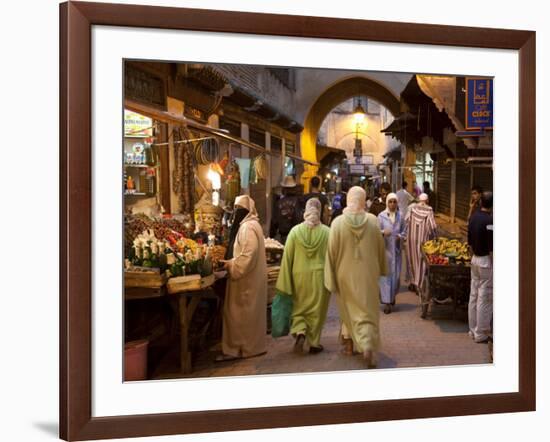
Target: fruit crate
{"type": "Point", "coordinates": [443, 282]}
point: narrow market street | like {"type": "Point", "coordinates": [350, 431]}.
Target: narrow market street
{"type": "Point", "coordinates": [407, 341]}
{"type": "Point", "coordinates": [242, 182]}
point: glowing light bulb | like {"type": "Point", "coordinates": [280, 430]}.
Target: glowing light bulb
{"type": "Point", "coordinates": [214, 178]}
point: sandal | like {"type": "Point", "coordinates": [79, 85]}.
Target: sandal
{"type": "Point", "coordinates": [348, 347]}
{"type": "Point", "coordinates": [225, 358]}
{"type": "Point", "coordinates": [368, 356]}
{"type": "Point", "coordinates": [299, 344]}
{"type": "Point", "coordinates": [315, 350]}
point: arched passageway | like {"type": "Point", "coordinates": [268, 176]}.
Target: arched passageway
{"type": "Point", "coordinates": [328, 100]}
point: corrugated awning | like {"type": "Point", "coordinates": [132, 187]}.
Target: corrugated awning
{"type": "Point", "coordinates": [168, 117]}
{"type": "Point", "coordinates": [401, 122]}
{"type": "Point", "coordinates": [393, 153]}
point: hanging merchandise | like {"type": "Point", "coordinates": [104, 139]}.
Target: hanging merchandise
{"type": "Point", "coordinates": [225, 161]}
{"type": "Point", "coordinates": [184, 174]}
{"type": "Point", "coordinates": [244, 170]}
{"type": "Point", "coordinates": [212, 148]}
{"type": "Point", "coordinates": [208, 217]}
{"type": "Point", "coordinates": [197, 152]}
{"type": "Point", "coordinates": [252, 179]}
{"type": "Point", "coordinates": [130, 183]}
{"type": "Point", "coordinates": [207, 151]}
{"type": "Point", "coordinates": [217, 168]}
{"type": "Point", "coordinates": [151, 181]}
{"type": "Point", "coordinates": [148, 156]}
{"type": "Point", "coordinates": [260, 167]}
{"type": "Point", "coordinates": [233, 184]}
{"type": "Point", "coordinates": [142, 183]}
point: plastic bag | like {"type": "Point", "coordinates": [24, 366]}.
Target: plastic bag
{"type": "Point", "coordinates": [281, 312]}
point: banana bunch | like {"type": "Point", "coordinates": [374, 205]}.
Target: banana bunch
{"type": "Point", "coordinates": [446, 246]}
{"type": "Point", "coordinates": [431, 247]}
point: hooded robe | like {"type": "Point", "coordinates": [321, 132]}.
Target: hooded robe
{"type": "Point", "coordinates": [302, 275]}
{"type": "Point", "coordinates": [420, 227]}
{"type": "Point", "coordinates": [245, 306]}
{"type": "Point", "coordinates": [356, 258]}
{"type": "Point", "coordinates": [389, 285]}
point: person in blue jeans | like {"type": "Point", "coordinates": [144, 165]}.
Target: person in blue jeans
{"type": "Point", "coordinates": [480, 239]}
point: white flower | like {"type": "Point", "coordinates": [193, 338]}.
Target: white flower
{"type": "Point", "coordinates": [154, 247]}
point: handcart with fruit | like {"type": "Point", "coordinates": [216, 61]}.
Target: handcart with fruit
{"type": "Point", "coordinates": [447, 278]}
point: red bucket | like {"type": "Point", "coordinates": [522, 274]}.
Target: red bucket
{"type": "Point", "coordinates": [135, 360]}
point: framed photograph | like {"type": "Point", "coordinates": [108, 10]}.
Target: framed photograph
{"type": "Point", "coordinates": [274, 220]}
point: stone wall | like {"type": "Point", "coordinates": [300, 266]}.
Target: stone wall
{"type": "Point", "coordinates": [261, 83]}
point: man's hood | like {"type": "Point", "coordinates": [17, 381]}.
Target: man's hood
{"type": "Point", "coordinates": [311, 239]}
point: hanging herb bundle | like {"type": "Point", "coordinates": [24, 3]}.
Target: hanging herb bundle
{"type": "Point", "coordinates": [184, 173]}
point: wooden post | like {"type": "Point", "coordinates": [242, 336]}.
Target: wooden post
{"type": "Point", "coordinates": [245, 151]}
{"type": "Point", "coordinates": [185, 356]}
{"type": "Point", "coordinates": [453, 190]}
{"type": "Point", "coordinates": [268, 186]}
{"type": "Point", "coordinates": [186, 312]}
{"type": "Point", "coordinates": [283, 156]}
{"type": "Point", "coordinates": [163, 178]}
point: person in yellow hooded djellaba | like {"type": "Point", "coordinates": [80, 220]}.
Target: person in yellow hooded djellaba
{"type": "Point", "coordinates": [356, 258]}
{"type": "Point", "coordinates": [245, 305]}
{"type": "Point", "coordinates": [302, 276]}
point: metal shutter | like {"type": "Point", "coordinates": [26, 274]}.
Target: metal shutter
{"type": "Point", "coordinates": [483, 176]}
{"type": "Point", "coordinates": [462, 190]}
{"type": "Point", "coordinates": [443, 189]}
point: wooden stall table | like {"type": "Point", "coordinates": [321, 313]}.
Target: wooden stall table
{"type": "Point", "coordinates": [190, 290]}
{"type": "Point", "coordinates": [132, 293]}
{"type": "Point", "coordinates": [140, 285]}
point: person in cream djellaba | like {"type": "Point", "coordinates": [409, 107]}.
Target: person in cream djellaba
{"type": "Point", "coordinates": [245, 306]}
{"type": "Point", "coordinates": [356, 258]}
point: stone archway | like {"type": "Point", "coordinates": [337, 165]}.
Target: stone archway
{"type": "Point", "coordinates": [328, 100]}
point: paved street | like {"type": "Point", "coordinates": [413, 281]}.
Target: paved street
{"type": "Point", "coordinates": [407, 341]}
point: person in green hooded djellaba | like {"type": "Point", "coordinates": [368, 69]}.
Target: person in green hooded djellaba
{"type": "Point", "coordinates": [302, 277]}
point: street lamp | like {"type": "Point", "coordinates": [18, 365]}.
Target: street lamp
{"type": "Point", "coordinates": [359, 113]}
{"type": "Point", "coordinates": [359, 117]}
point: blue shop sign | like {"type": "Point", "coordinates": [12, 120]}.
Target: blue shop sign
{"type": "Point", "coordinates": [479, 103]}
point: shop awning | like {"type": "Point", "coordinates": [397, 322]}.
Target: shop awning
{"type": "Point", "coordinates": [393, 154]}
{"type": "Point", "coordinates": [402, 122]}
{"type": "Point", "coordinates": [168, 117]}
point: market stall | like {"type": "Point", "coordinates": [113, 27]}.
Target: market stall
{"type": "Point", "coordinates": [163, 263]}
{"type": "Point", "coordinates": [447, 274]}
{"type": "Point", "coordinates": [174, 238]}
{"type": "Point", "coordinates": [186, 158]}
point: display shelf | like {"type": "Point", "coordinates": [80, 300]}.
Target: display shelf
{"type": "Point", "coordinates": [139, 166]}
{"type": "Point", "coordinates": [136, 194]}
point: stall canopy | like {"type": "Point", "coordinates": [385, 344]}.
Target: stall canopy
{"type": "Point", "coordinates": [168, 117]}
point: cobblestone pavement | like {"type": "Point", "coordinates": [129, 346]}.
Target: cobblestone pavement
{"type": "Point", "coordinates": [407, 341]}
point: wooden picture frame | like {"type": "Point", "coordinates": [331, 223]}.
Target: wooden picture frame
{"type": "Point", "coordinates": [76, 20]}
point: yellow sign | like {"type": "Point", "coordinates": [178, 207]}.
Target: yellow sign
{"type": "Point", "coordinates": [137, 125]}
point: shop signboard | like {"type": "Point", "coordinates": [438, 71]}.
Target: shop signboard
{"type": "Point", "coordinates": [137, 125]}
{"type": "Point", "coordinates": [479, 103]}
{"type": "Point", "coordinates": [195, 113]}
{"type": "Point", "coordinates": [357, 169]}
{"type": "Point", "coordinates": [367, 159]}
